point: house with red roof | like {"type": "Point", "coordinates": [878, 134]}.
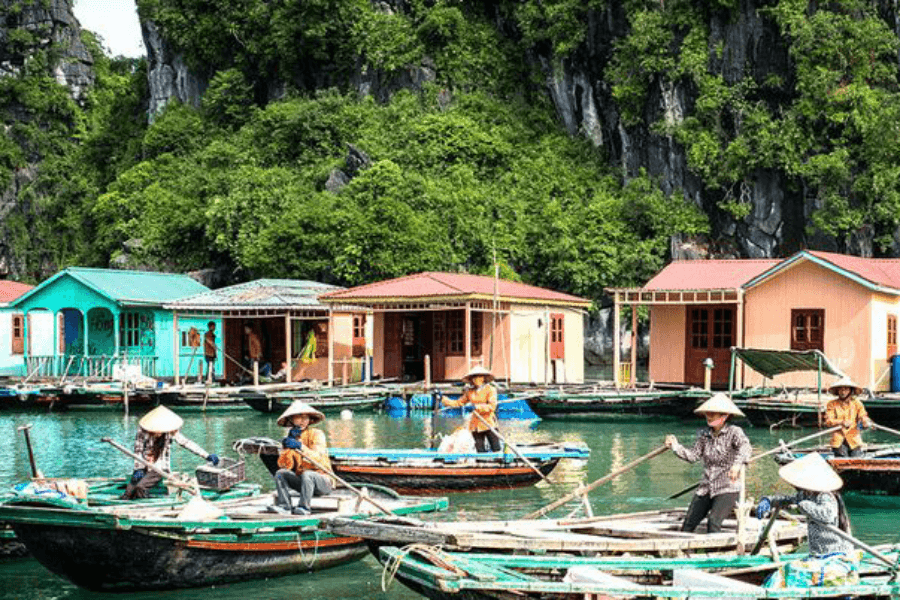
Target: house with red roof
{"type": "Point", "coordinates": [845, 306]}
{"type": "Point", "coordinates": [12, 362]}
{"type": "Point", "coordinates": [437, 326]}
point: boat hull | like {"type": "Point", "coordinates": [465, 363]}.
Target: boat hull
{"type": "Point", "coordinates": [268, 404]}
{"type": "Point", "coordinates": [559, 407]}
{"type": "Point", "coordinates": [111, 560]}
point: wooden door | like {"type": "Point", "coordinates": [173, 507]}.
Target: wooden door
{"type": "Point", "coordinates": [710, 334]}
{"type": "Point", "coordinates": [393, 357]}
{"type": "Point", "coordinates": [439, 346]}
{"type": "Point", "coordinates": [557, 340]}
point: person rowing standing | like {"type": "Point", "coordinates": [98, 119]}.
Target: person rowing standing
{"type": "Point", "coordinates": [847, 411]}
{"type": "Point", "coordinates": [482, 395]}
{"type": "Point", "coordinates": [724, 450]}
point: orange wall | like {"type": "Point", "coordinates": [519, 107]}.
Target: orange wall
{"type": "Point", "coordinates": [807, 285]}
{"type": "Point", "coordinates": [667, 333]}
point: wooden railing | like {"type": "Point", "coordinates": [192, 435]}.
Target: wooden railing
{"type": "Point", "coordinates": [94, 367]}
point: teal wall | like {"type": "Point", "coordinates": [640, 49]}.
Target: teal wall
{"type": "Point", "coordinates": [165, 340]}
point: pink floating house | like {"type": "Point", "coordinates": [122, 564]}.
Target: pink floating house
{"type": "Point", "coordinates": [437, 326]}
{"type": "Point", "coordinates": [845, 306]}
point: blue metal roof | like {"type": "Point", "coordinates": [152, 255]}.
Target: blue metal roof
{"type": "Point", "coordinates": [259, 294]}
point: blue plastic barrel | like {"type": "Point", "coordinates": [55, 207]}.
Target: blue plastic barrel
{"type": "Point", "coordinates": [895, 373]}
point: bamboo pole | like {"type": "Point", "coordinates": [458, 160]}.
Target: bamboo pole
{"type": "Point", "coordinates": [35, 472]}
{"type": "Point", "coordinates": [166, 476]}
{"type": "Point", "coordinates": [353, 489]}
{"type": "Point", "coordinates": [885, 429]}
{"type": "Point", "coordinates": [585, 489]}
{"type": "Point", "coordinates": [764, 535]}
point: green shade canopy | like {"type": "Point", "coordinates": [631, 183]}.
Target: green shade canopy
{"type": "Point", "coordinates": [775, 362]}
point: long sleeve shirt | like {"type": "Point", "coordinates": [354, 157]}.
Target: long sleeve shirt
{"type": "Point", "coordinates": [720, 452]}
{"type": "Point", "coordinates": [839, 411]}
{"type": "Point", "coordinates": [484, 402]}
{"type": "Point", "coordinates": [819, 509]}
{"type": "Point", "coordinates": [159, 452]}
{"type": "Point", "coordinates": [314, 444]}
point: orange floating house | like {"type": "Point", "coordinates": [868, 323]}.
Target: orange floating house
{"type": "Point", "coordinates": [845, 306]}
{"type": "Point", "coordinates": [436, 326]}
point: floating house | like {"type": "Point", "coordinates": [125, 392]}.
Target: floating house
{"type": "Point", "coordinates": [288, 319]}
{"type": "Point", "coordinates": [845, 306]}
{"type": "Point", "coordinates": [437, 326]}
{"type": "Point", "coordinates": [12, 331]}
{"type": "Point", "coordinates": [85, 321]}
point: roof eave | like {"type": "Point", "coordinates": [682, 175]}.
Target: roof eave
{"type": "Point", "coordinates": [458, 298]}
{"type": "Point", "coordinates": [803, 255]}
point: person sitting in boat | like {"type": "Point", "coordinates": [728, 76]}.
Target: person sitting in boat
{"type": "Point", "coordinates": [157, 430]}
{"type": "Point", "coordinates": [848, 412]}
{"type": "Point", "coordinates": [832, 558]}
{"type": "Point", "coordinates": [303, 456]}
{"type": "Point", "coordinates": [724, 449]}
{"type": "Point", "coordinates": [482, 395]}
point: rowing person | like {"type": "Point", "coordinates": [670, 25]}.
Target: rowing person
{"type": "Point", "coordinates": [724, 450]}
{"type": "Point", "coordinates": [157, 430]}
{"type": "Point", "coordinates": [482, 395]}
{"type": "Point", "coordinates": [847, 411]}
{"type": "Point", "coordinates": [295, 471]}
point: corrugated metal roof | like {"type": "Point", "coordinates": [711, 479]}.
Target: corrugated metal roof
{"type": "Point", "coordinates": [10, 290]}
{"type": "Point", "coordinates": [136, 287]}
{"type": "Point", "coordinates": [775, 362]}
{"type": "Point", "coordinates": [709, 274]}
{"type": "Point", "coordinates": [430, 285]}
{"type": "Point", "coordinates": [881, 271]}
{"type": "Point", "coordinates": [261, 293]}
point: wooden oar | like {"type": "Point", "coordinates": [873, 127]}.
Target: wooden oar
{"type": "Point", "coordinates": [778, 448]}
{"type": "Point", "coordinates": [166, 476]}
{"type": "Point", "coordinates": [584, 490]}
{"type": "Point", "coordinates": [885, 429]}
{"type": "Point", "coordinates": [499, 402]}
{"type": "Point", "coordinates": [892, 566]}
{"type": "Point", "coordinates": [35, 472]}
{"type": "Point", "coordinates": [353, 489]}
{"type": "Point", "coordinates": [511, 446]}
{"type": "Point", "coordinates": [765, 532]}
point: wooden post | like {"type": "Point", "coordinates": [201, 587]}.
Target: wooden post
{"type": "Point", "coordinates": [546, 347]}
{"type": "Point", "coordinates": [739, 339]}
{"type": "Point", "coordinates": [742, 510]}
{"type": "Point", "coordinates": [634, 342]}
{"type": "Point", "coordinates": [427, 372]}
{"type": "Point", "coordinates": [468, 336]}
{"type": "Point", "coordinates": [255, 372]}
{"type": "Point", "coordinates": [616, 342]}
{"type": "Point", "coordinates": [330, 347]}
{"type": "Point", "coordinates": [176, 367]}
{"type": "Point", "coordinates": [288, 340]}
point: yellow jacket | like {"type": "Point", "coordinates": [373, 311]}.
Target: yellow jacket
{"type": "Point", "coordinates": [836, 412]}
{"type": "Point", "coordinates": [313, 444]}
{"type": "Point", "coordinates": [483, 400]}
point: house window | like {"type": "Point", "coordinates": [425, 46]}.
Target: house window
{"type": "Point", "coordinates": [359, 335]}
{"type": "Point", "coordinates": [475, 327]}
{"type": "Point", "coordinates": [18, 334]}
{"type": "Point", "coordinates": [808, 329]}
{"type": "Point", "coordinates": [556, 329]}
{"type": "Point", "coordinates": [891, 336]}
{"type": "Point", "coordinates": [130, 330]}
{"type": "Point", "coordinates": [723, 325]}
{"type": "Point", "coordinates": [699, 328]}
{"type": "Point", "coordinates": [456, 333]}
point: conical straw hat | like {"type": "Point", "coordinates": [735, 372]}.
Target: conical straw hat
{"type": "Point", "coordinates": [479, 370]}
{"type": "Point", "coordinates": [161, 420]}
{"type": "Point", "coordinates": [719, 403]}
{"type": "Point", "coordinates": [298, 407]}
{"type": "Point", "coordinates": [811, 473]}
{"type": "Point", "coordinates": [844, 382]}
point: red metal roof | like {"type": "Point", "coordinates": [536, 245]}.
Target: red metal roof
{"type": "Point", "coordinates": [10, 290]}
{"type": "Point", "coordinates": [709, 274]}
{"type": "Point", "coordinates": [447, 285]}
{"type": "Point", "coordinates": [880, 271]}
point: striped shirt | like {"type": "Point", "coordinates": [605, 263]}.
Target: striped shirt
{"type": "Point", "coordinates": [158, 452]}
{"type": "Point", "coordinates": [719, 451]}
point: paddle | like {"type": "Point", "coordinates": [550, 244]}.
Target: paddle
{"type": "Point", "coordinates": [765, 532]}
{"type": "Point", "coordinates": [778, 448]}
{"type": "Point", "coordinates": [168, 477]}
{"type": "Point", "coordinates": [885, 429]}
{"type": "Point", "coordinates": [584, 490]}
{"type": "Point", "coordinates": [892, 566]}
{"type": "Point", "coordinates": [511, 446]}
{"type": "Point", "coordinates": [35, 472]}
{"type": "Point", "coordinates": [353, 489]}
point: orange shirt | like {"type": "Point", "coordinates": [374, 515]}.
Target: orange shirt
{"type": "Point", "coordinates": [313, 444]}
{"type": "Point", "coordinates": [484, 401]}
{"type": "Point", "coordinates": [254, 347]}
{"type": "Point", "coordinates": [839, 411]}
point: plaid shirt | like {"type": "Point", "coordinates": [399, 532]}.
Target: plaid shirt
{"type": "Point", "coordinates": [144, 444]}
{"type": "Point", "coordinates": [819, 508]}
{"type": "Point", "coordinates": [719, 452]}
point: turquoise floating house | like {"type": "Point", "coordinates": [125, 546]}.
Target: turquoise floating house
{"type": "Point", "coordinates": [91, 322]}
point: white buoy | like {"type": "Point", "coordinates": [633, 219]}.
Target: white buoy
{"type": "Point", "coordinates": [346, 414]}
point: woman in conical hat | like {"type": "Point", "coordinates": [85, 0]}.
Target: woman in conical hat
{"type": "Point", "coordinates": [483, 397]}
{"type": "Point", "coordinates": [847, 411]}
{"type": "Point", "coordinates": [157, 430]}
{"type": "Point", "coordinates": [817, 497]}
{"type": "Point", "coordinates": [303, 464]}
{"type": "Point", "coordinates": [724, 450]}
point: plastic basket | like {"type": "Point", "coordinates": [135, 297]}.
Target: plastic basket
{"type": "Point", "coordinates": [222, 477]}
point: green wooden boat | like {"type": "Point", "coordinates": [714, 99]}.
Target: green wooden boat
{"type": "Point", "coordinates": [120, 548]}
{"type": "Point", "coordinates": [441, 575]}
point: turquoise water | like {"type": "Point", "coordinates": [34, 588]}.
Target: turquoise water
{"type": "Point", "coordinates": [69, 445]}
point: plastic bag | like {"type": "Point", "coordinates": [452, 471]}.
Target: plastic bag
{"type": "Point", "coordinates": [458, 442]}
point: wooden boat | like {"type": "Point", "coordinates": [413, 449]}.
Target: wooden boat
{"type": "Point", "coordinates": [427, 472]}
{"type": "Point", "coordinates": [877, 472]}
{"type": "Point", "coordinates": [106, 395]}
{"type": "Point", "coordinates": [807, 410]}
{"type": "Point", "coordinates": [360, 397]}
{"type": "Point", "coordinates": [440, 575]}
{"type": "Point", "coordinates": [650, 533]}
{"type": "Point", "coordinates": [127, 548]}
{"type": "Point", "coordinates": [29, 396]}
